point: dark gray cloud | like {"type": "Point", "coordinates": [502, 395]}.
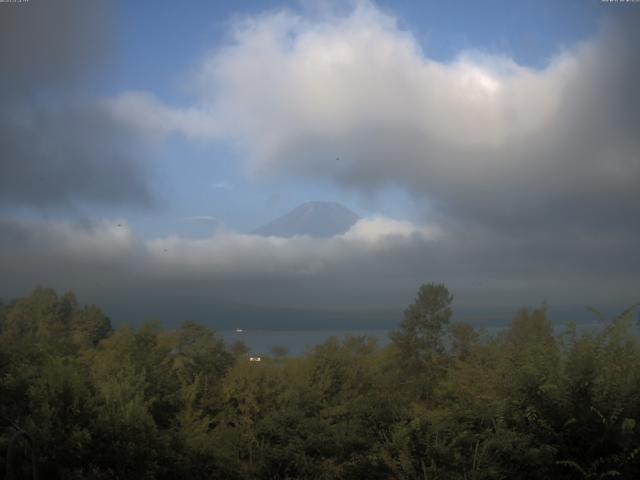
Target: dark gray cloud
{"type": "Point", "coordinates": [365, 277]}
{"type": "Point", "coordinates": [51, 45]}
{"type": "Point", "coordinates": [57, 156]}
{"type": "Point", "coordinates": [57, 148]}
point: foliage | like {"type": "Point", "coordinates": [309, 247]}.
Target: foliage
{"type": "Point", "coordinates": [441, 401]}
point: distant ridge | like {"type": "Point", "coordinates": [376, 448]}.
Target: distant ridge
{"type": "Point", "coordinates": [316, 219]}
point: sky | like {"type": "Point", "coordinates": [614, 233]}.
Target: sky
{"type": "Point", "coordinates": [489, 145]}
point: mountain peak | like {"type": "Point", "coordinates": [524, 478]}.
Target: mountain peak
{"type": "Point", "coordinates": [316, 219]}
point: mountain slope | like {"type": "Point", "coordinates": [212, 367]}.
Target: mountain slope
{"type": "Point", "coordinates": [316, 219]}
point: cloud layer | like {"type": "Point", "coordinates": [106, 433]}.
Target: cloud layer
{"type": "Point", "coordinates": [373, 269]}
{"type": "Point", "coordinates": [107, 262]}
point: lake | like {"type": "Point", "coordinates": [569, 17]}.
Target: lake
{"type": "Point", "coordinates": [260, 342]}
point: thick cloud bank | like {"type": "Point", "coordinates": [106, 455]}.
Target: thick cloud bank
{"type": "Point", "coordinates": [108, 262]}
{"type": "Point", "coordinates": [376, 265]}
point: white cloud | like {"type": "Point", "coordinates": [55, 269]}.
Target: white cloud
{"type": "Point", "coordinates": [201, 218]}
{"type": "Point", "coordinates": [483, 138]}
{"type": "Point", "coordinates": [284, 77]}
{"type": "Point", "coordinates": [372, 230]}
{"type": "Point", "coordinates": [228, 253]}
{"type": "Point", "coordinates": [143, 111]}
{"type": "Point", "coordinates": [103, 257]}
{"type": "Point", "coordinates": [222, 185]}
{"type": "Point", "coordinates": [221, 255]}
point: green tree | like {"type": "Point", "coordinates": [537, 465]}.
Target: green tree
{"type": "Point", "coordinates": [89, 325]}
{"type": "Point", "coordinates": [422, 329]}
{"type": "Point", "coordinates": [418, 344]}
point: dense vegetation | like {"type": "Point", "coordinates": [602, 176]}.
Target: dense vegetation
{"type": "Point", "coordinates": [442, 401]}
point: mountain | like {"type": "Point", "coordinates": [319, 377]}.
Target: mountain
{"type": "Point", "coordinates": [316, 219]}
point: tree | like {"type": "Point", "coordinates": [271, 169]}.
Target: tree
{"type": "Point", "coordinates": [421, 332]}
{"type": "Point", "coordinates": [89, 326]}
{"type": "Point", "coordinates": [463, 338]}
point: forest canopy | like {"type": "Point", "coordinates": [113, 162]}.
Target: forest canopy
{"type": "Point", "coordinates": [441, 401]}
